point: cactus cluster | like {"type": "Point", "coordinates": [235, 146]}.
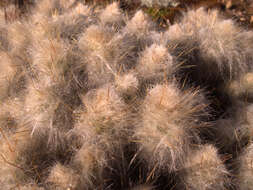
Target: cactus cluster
{"type": "Point", "coordinates": [93, 98]}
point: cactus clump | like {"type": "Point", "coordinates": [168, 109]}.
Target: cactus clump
{"type": "Point", "coordinates": [93, 98]}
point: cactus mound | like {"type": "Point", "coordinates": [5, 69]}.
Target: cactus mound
{"type": "Point", "coordinates": [91, 98]}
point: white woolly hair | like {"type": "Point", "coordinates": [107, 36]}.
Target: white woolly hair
{"type": "Point", "coordinates": [69, 25]}
{"type": "Point", "coordinates": [127, 84]}
{"type": "Point", "coordinates": [220, 44]}
{"type": "Point", "coordinates": [111, 14]}
{"type": "Point", "coordinates": [27, 158]}
{"type": "Point", "coordinates": [49, 60]}
{"type": "Point", "coordinates": [54, 60]}
{"type": "Point", "coordinates": [95, 38]}
{"type": "Point", "coordinates": [167, 125]}
{"type": "Point", "coordinates": [103, 128]}
{"type": "Point", "coordinates": [205, 170]}
{"type": "Point", "coordinates": [40, 26]}
{"type": "Point", "coordinates": [19, 38]}
{"type": "Point", "coordinates": [91, 161]}
{"type": "Point", "coordinates": [155, 61]}
{"type": "Point", "coordinates": [76, 112]}
{"type": "Point", "coordinates": [105, 116]}
{"type": "Point", "coordinates": [93, 44]}
{"type": "Point", "coordinates": [245, 172]}
{"type": "Point", "coordinates": [139, 24]}
{"type": "Point", "coordinates": [46, 114]}
{"type": "Point", "coordinates": [37, 99]}
{"type": "Point", "coordinates": [63, 177]}
{"type": "Point", "coordinates": [80, 9]}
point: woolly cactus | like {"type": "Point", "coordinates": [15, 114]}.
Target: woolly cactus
{"type": "Point", "coordinates": [127, 85]}
{"type": "Point", "coordinates": [92, 98]}
{"type": "Point", "coordinates": [155, 61]}
{"type": "Point", "coordinates": [62, 177]}
{"type": "Point", "coordinates": [215, 46]}
{"type": "Point", "coordinates": [111, 15]}
{"type": "Point", "coordinates": [104, 120]}
{"type": "Point", "coordinates": [204, 169]}
{"type": "Point", "coordinates": [168, 125]}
